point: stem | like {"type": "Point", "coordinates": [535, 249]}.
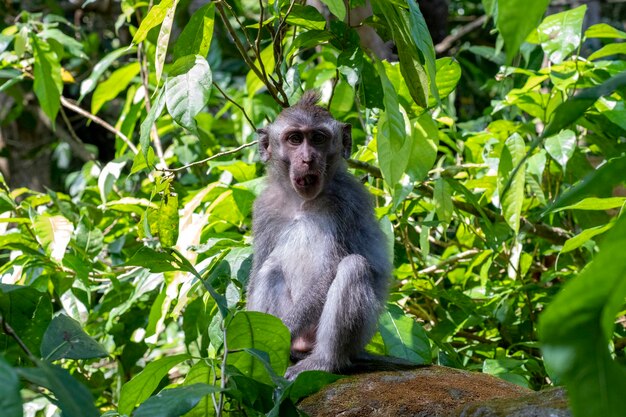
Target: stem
{"type": "Point", "coordinates": [8, 330]}
{"type": "Point", "coordinates": [234, 103]}
{"type": "Point", "coordinates": [459, 257]}
{"type": "Point", "coordinates": [223, 375]}
{"type": "Point", "coordinates": [77, 109]}
{"type": "Point", "coordinates": [217, 155]}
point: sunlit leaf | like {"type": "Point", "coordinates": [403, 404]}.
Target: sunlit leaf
{"type": "Point", "coordinates": [443, 200]}
{"type": "Point", "coordinates": [336, 7]}
{"type": "Point", "coordinates": [153, 19]}
{"type": "Point", "coordinates": [188, 89]}
{"type": "Point", "coordinates": [560, 33]}
{"type": "Point", "coordinates": [54, 233]}
{"type": "Point", "coordinates": [115, 84]}
{"type": "Point", "coordinates": [602, 30]}
{"type": "Point", "coordinates": [576, 327]}
{"type": "Point", "coordinates": [561, 146]}
{"type": "Point", "coordinates": [91, 82]}
{"type": "Point", "coordinates": [608, 50]}
{"type": "Point", "coordinates": [174, 402]}
{"type": "Point", "coordinates": [138, 389]}
{"type": "Point", "coordinates": [514, 29]}
{"type": "Point", "coordinates": [403, 337]}
{"type": "Point", "coordinates": [163, 41]}
{"type": "Point", "coordinates": [168, 219]}
{"type": "Point", "coordinates": [48, 83]}
{"type": "Point", "coordinates": [195, 39]}
{"type": "Point", "coordinates": [513, 198]}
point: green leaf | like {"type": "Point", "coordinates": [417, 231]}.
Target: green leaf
{"type": "Point", "coordinates": [138, 389]}
{"type": "Point", "coordinates": [115, 84]}
{"type": "Point", "coordinates": [443, 200]}
{"type": "Point", "coordinates": [594, 203]}
{"type": "Point", "coordinates": [195, 38]}
{"type": "Point", "coordinates": [188, 89]}
{"type": "Point", "coordinates": [609, 50]}
{"type": "Point", "coordinates": [602, 30]}
{"type": "Point", "coordinates": [27, 311]}
{"type": "Point", "coordinates": [146, 126]}
{"type": "Point", "coordinates": [560, 33]}
{"type": "Point", "coordinates": [48, 83]}
{"type": "Point", "coordinates": [90, 241]}
{"type": "Point", "coordinates": [174, 402]}
{"type": "Point", "coordinates": [400, 24]}
{"type": "Point", "coordinates": [91, 82]}
{"type": "Point", "coordinates": [576, 327]}
{"type": "Point", "coordinates": [584, 236]}
{"type": "Point", "coordinates": [393, 148]}
{"type": "Point", "coordinates": [336, 7]}
{"type": "Point", "coordinates": [263, 332]}
{"type": "Point", "coordinates": [514, 29]}
{"type": "Point", "coordinates": [163, 40]}
{"type": "Point", "coordinates": [569, 111]}
{"type": "Point", "coordinates": [605, 176]}
{"type": "Point", "coordinates": [65, 338]}
{"type": "Point", "coordinates": [307, 17]}
{"type": "Point", "coordinates": [561, 147]}
{"type": "Point", "coordinates": [54, 233]}
{"type": "Point", "coordinates": [10, 398]}
{"type": "Point", "coordinates": [513, 198]}
{"type": "Point", "coordinates": [73, 398]}
{"type": "Point", "coordinates": [153, 19]}
{"type": "Point", "coordinates": [447, 78]}
{"type": "Point", "coordinates": [403, 337]}
{"type": "Point", "coordinates": [202, 373]}
{"type": "Point", "coordinates": [423, 41]}
{"type": "Point", "coordinates": [423, 153]}
{"type": "Point", "coordinates": [168, 219]}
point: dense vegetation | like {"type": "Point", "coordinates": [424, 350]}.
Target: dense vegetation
{"type": "Point", "coordinates": [498, 176]}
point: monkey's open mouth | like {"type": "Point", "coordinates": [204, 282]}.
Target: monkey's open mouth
{"type": "Point", "coordinates": [308, 180]}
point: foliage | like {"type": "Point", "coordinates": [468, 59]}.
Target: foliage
{"type": "Point", "coordinates": [122, 292]}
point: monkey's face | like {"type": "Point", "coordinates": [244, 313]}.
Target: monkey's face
{"type": "Point", "coordinates": [305, 150]}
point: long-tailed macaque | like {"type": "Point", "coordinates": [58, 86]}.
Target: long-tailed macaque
{"type": "Point", "coordinates": [320, 259]}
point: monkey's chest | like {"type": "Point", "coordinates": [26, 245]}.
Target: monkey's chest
{"type": "Point", "coordinates": [305, 252]}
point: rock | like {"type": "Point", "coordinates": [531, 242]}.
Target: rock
{"type": "Point", "coordinates": [429, 391]}
{"type": "Point", "coordinates": [548, 403]}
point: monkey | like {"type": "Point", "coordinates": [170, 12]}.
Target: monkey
{"type": "Point", "coordinates": [320, 259]}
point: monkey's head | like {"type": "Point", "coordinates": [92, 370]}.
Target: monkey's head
{"type": "Point", "coordinates": [306, 145]}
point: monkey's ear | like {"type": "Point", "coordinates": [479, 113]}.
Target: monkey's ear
{"type": "Point", "coordinates": [264, 145]}
{"type": "Point", "coordinates": [346, 140]}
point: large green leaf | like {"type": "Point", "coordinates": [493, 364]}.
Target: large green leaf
{"type": "Point", "coordinates": [91, 82]}
{"type": "Point", "coordinates": [10, 399]}
{"type": "Point", "coordinates": [188, 89]}
{"type": "Point", "coordinates": [48, 83]}
{"type": "Point", "coordinates": [602, 30]}
{"type": "Point", "coordinates": [195, 39]}
{"type": "Point", "coordinates": [115, 84]}
{"type": "Point", "coordinates": [576, 327]}
{"type": "Point", "coordinates": [138, 389]}
{"type": "Point", "coordinates": [54, 233]}
{"type": "Point", "coordinates": [569, 111]}
{"type": "Point", "coordinates": [421, 38]}
{"type": "Point", "coordinates": [393, 146]}
{"type": "Point", "coordinates": [174, 402]}
{"type": "Point", "coordinates": [561, 147]}
{"type": "Point", "coordinates": [560, 34]}
{"type": "Point", "coordinates": [65, 338]}
{"type": "Point", "coordinates": [609, 50]}
{"type": "Point", "coordinates": [516, 19]}
{"type": "Point", "coordinates": [594, 203]}
{"type": "Point", "coordinates": [403, 337]}
{"type": "Point", "coordinates": [146, 126]}
{"type": "Point", "coordinates": [442, 197]}
{"type": "Point", "coordinates": [512, 198]}
{"type": "Point", "coordinates": [423, 154]}
{"type": "Point", "coordinates": [263, 332]}
{"type": "Point", "coordinates": [163, 40]}
{"type": "Point", "coordinates": [153, 19]}
{"type": "Point", "coordinates": [336, 7]}
{"type": "Point", "coordinates": [27, 311]}
{"type": "Point", "coordinates": [448, 76]}
{"type": "Point", "coordinates": [72, 397]}
{"type": "Point", "coordinates": [200, 373]}
{"type": "Point", "coordinates": [167, 219]}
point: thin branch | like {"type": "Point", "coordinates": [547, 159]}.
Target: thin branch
{"type": "Point", "coordinates": [235, 104]}
{"type": "Point", "coordinates": [70, 137]}
{"type": "Point", "coordinates": [210, 158]}
{"type": "Point", "coordinates": [459, 257]}
{"type": "Point", "coordinates": [449, 40]}
{"type": "Point", "coordinates": [77, 109]}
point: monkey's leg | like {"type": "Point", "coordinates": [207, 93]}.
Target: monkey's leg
{"type": "Point", "coordinates": [348, 319]}
{"type": "Point", "coordinates": [268, 292]}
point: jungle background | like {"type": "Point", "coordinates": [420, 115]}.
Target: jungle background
{"type": "Point", "coordinates": [490, 133]}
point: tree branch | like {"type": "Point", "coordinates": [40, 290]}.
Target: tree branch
{"type": "Point", "coordinates": [449, 40]}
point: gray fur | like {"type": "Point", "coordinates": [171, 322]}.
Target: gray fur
{"type": "Point", "coordinates": [320, 263]}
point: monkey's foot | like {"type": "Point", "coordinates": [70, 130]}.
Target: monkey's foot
{"type": "Point", "coordinates": [309, 363]}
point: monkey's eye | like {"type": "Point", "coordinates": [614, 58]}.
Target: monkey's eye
{"type": "Point", "coordinates": [318, 138]}
{"type": "Point", "coordinates": [295, 138]}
